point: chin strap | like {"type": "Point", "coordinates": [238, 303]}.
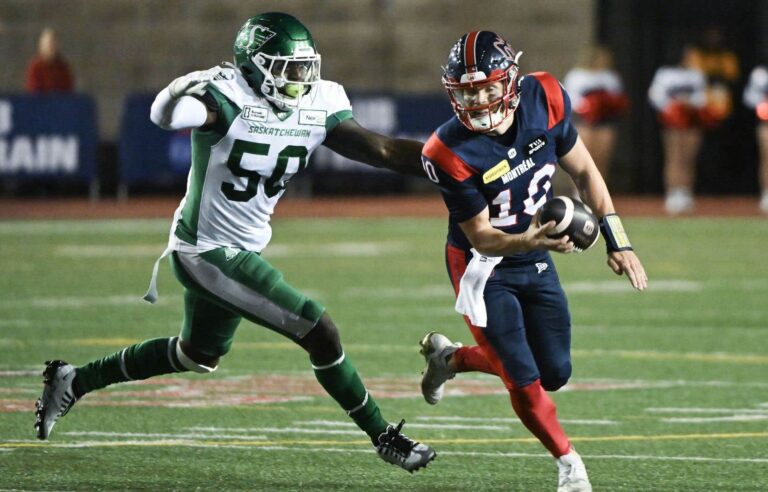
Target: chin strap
{"type": "Point", "coordinates": [613, 231]}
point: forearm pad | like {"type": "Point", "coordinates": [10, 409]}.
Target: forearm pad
{"type": "Point", "coordinates": [613, 233]}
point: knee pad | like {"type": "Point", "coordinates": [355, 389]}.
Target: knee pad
{"type": "Point", "coordinates": [191, 365]}
{"type": "Point", "coordinates": [557, 378]}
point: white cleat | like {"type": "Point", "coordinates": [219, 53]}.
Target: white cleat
{"type": "Point", "coordinates": [572, 474]}
{"type": "Point", "coordinates": [57, 397]}
{"type": "Point", "coordinates": [436, 348]}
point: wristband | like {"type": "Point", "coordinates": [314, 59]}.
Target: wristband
{"type": "Point", "coordinates": [613, 232]}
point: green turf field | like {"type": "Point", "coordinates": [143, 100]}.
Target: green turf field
{"type": "Point", "coordinates": [669, 393]}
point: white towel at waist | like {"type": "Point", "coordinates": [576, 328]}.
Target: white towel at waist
{"type": "Point", "coordinates": [470, 300]}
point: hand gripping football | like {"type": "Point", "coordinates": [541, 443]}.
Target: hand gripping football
{"type": "Point", "coordinates": [572, 218]}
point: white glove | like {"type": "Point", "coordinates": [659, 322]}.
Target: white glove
{"type": "Point", "coordinates": [192, 83]}
{"type": "Point", "coordinates": [171, 111]}
{"type": "Point", "coordinates": [470, 300]}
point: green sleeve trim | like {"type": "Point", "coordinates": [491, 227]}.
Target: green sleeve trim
{"type": "Point", "coordinates": [333, 120]}
{"type": "Point", "coordinates": [227, 111]}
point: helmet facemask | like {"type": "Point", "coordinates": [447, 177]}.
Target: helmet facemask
{"type": "Point", "coordinates": [482, 103]}
{"type": "Point", "coordinates": [286, 79]}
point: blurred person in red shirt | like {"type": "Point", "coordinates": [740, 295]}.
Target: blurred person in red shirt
{"type": "Point", "coordinates": [48, 71]}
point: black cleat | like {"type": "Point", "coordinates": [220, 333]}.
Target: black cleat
{"type": "Point", "coordinates": [397, 449]}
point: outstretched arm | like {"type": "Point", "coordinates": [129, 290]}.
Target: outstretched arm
{"type": "Point", "coordinates": [360, 144]}
{"type": "Point", "coordinates": [174, 108]}
{"type": "Point", "coordinates": [621, 258]}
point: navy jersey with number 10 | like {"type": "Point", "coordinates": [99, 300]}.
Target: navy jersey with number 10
{"type": "Point", "coordinates": [510, 173]}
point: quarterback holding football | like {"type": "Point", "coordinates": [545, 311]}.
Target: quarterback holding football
{"type": "Point", "coordinates": [255, 125]}
{"type": "Point", "coordinates": [493, 163]}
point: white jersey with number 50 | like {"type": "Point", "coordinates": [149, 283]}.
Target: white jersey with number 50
{"type": "Point", "coordinates": [242, 162]}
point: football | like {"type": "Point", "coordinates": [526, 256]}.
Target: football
{"type": "Point", "coordinates": [572, 218]}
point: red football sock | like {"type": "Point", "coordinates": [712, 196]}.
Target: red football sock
{"type": "Point", "coordinates": [472, 359]}
{"type": "Point", "coordinates": [538, 413]}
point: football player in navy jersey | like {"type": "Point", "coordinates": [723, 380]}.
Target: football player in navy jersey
{"type": "Point", "coordinates": [493, 164]}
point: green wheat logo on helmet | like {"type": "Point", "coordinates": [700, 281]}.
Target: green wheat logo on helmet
{"type": "Point", "coordinates": [251, 38]}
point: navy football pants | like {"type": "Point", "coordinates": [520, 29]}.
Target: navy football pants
{"type": "Point", "coordinates": [529, 326]}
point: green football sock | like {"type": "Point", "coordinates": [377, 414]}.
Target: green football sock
{"type": "Point", "coordinates": [341, 381]}
{"type": "Point", "coordinates": [140, 361]}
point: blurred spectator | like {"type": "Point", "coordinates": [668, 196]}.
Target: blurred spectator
{"type": "Point", "coordinates": [598, 101]}
{"type": "Point", "coordinates": [721, 68]}
{"type": "Point", "coordinates": [756, 97]}
{"type": "Point", "coordinates": [48, 71]}
{"type": "Point", "coordinates": [678, 93]}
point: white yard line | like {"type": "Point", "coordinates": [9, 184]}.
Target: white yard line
{"type": "Point", "coordinates": [276, 430]}
{"type": "Point", "coordinates": [361, 449]}
{"type": "Point", "coordinates": [338, 249]}
{"type": "Point", "coordinates": [109, 251]}
{"type": "Point", "coordinates": [129, 227]}
{"type": "Point", "coordinates": [18, 323]}
{"type": "Point", "coordinates": [707, 410]}
{"type": "Point", "coordinates": [725, 357]}
{"type": "Point", "coordinates": [86, 302]}
{"type": "Point", "coordinates": [20, 373]}
{"type": "Point", "coordinates": [334, 249]}
{"type": "Point", "coordinates": [709, 420]}
{"type": "Point", "coordinates": [623, 287]}
{"type": "Point", "coordinates": [170, 435]}
{"type": "Point", "coordinates": [443, 423]}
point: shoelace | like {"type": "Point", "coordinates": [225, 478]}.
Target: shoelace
{"type": "Point", "coordinates": [570, 474]}
{"type": "Point", "coordinates": [565, 477]}
{"type": "Point", "coordinates": [398, 441]}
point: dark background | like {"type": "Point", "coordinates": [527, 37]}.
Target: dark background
{"type": "Point", "coordinates": [642, 35]}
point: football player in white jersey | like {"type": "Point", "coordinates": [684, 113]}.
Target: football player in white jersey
{"type": "Point", "coordinates": [255, 124]}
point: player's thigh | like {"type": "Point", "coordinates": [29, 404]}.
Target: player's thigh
{"type": "Point", "coordinates": [548, 326]}
{"type": "Point", "coordinates": [247, 284]}
{"type": "Point", "coordinates": [209, 327]}
{"type": "Point", "coordinates": [506, 334]}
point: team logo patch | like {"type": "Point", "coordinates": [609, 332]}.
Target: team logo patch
{"type": "Point", "coordinates": [254, 113]}
{"type": "Point", "coordinates": [224, 75]}
{"type": "Point", "coordinates": [496, 172]}
{"type": "Point", "coordinates": [314, 117]}
{"type": "Point", "coordinates": [254, 38]}
{"type": "Point", "coordinates": [230, 253]}
{"type": "Point", "coordinates": [537, 144]}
